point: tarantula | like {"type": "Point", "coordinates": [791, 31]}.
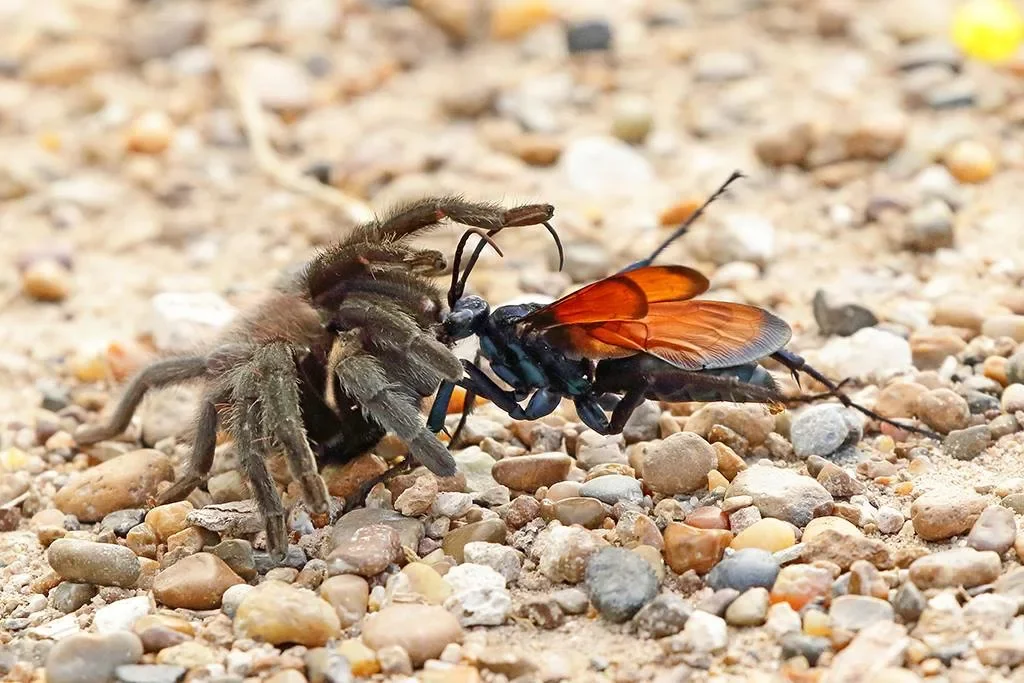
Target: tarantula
{"type": "Point", "coordinates": [329, 361]}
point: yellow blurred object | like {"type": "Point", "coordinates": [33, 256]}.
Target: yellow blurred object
{"type": "Point", "coordinates": [990, 30]}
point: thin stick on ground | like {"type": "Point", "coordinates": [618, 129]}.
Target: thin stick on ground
{"type": "Point", "coordinates": [267, 159]}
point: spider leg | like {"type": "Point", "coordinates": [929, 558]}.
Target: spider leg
{"type": "Point", "coordinates": [201, 459]}
{"type": "Point", "coordinates": [365, 380]}
{"type": "Point", "coordinates": [253, 452]}
{"type": "Point", "coordinates": [282, 420]}
{"type": "Point", "coordinates": [158, 374]}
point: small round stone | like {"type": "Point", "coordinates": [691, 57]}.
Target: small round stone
{"type": "Point", "coordinates": [103, 564]}
{"type": "Point", "coordinates": [965, 567]}
{"type": "Point", "coordinates": [348, 594]}
{"type": "Point", "coordinates": [195, 582]}
{"type": "Point", "coordinates": [970, 161]}
{"type": "Point", "coordinates": [68, 596]}
{"type": "Point", "coordinates": [167, 520]}
{"type": "Point", "coordinates": [799, 584]}
{"type": "Point", "coordinates": [46, 280]}
{"type": "Point", "coordinates": [857, 612]}
{"type": "Point", "coordinates": [501, 558]}
{"type": "Point", "coordinates": [489, 530]}
{"type": "Point", "coordinates": [688, 547]}
{"type": "Point", "coordinates": [995, 529]}
{"type": "Point", "coordinates": [278, 613]}
{"type": "Point", "coordinates": [943, 410]}
{"type": "Point", "coordinates": [782, 493]}
{"type": "Point", "coordinates": [417, 499]}
{"type": "Point", "coordinates": [91, 658]}
{"type": "Point", "coordinates": [368, 552]}
{"type": "Point", "coordinates": [679, 464]}
{"type": "Point", "coordinates": [620, 583]}
{"type": "Point", "coordinates": [150, 133]}
{"type": "Point", "coordinates": [768, 534]}
{"type": "Point", "coordinates": [745, 569]}
{"type": "Point", "coordinates": [587, 512]}
{"type": "Point", "coordinates": [749, 609]}
{"type": "Point", "coordinates": [663, 616]}
{"type": "Point", "coordinates": [822, 430]}
{"type": "Point", "coordinates": [943, 513]}
{"type": "Point", "coordinates": [127, 481]}
{"type": "Point", "coordinates": [708, 517]}
{"type": "Point", "coordinates": [613, 488]}
{"type": "Point", "coordinates": [565, 552]}
{"type": "Point", "coordinates": [632, 118]}
{"type": "Point", "coordinates": [233, 597]}
{"type": "Point", "coordinates": [530, 472]}
{"type": "Point", "coordinates": [422, 631]}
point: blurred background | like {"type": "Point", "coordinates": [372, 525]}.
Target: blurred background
{"type": "Point", "coordinates": [161, 162]}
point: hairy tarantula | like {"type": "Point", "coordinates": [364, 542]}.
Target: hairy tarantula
{"type": "Point", "coordinates": [328, 362]}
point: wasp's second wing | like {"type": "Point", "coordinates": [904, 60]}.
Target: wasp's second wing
{"type": "Point", "coordinates": [691, 335]}
{"type": "Point", "coordinates": [626, 296]}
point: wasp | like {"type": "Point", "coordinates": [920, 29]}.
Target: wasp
{"type": "Point", "coordinates": [638, 334]}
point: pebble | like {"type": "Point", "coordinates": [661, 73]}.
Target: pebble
{"type": "Point", "coordinates": [799, 584]}
{"type": "Point", "coordinates": [620, 583]}
{"type": "Point", "coordinates": [943, 513]}
{"type": "Point", "coordinates": [767, 534]}
{"type": "Point", "coordinates": [69, 596]}
{"type": "Point", "coordinates": [233, 597]}
{"type": "Point", "coordinates": [120, 615]}
{"type": "Point", "coordinates": [149, 673]}
{"type": "Point", "coordinates": [189, 654]}
{"type": "Point", "coordinates": [91, 658]}
{"type": "Point", "coordinates": [967, 444]}
{"type": "Point", "coordinates": [718, 66]}
{"type": "Point", "coordinates": [167, 520]}
{"type": "Point", "coordinates": [613, 488]}
{"type": "Point", "coordinates": [196, 582]}
{"type": "Point", "coordinates": [587, 512]}
{"type": "Point", "coordinates": [565, 552]}
{"type": "Point", "coordinates": [103, 564]}
{"type": "Point", "coordinates": [571, 600]}
{"type": "Point", "coordinates": [823, 430]}
{"type": "Point", "coordinates": [679, 464]}
{"type": "Point", "coordinates": [1007, 325]}
{"type": "Point", "coordinates": [127, 481]}
{"type": "Point", "coordinates": [857, 612]}
{"type": "Point", "coordinates": [348, 594]}
{"type": "Point", "coordinates": [745, 569]}
{"type": "Point", "coordinates": [422, 631]}
{"type": "Point", "coordinates": [277, 613]}
{"type": "Point", "coordinates": [479, 596]}
{"type": "Point", "coordinates": [529, 472]}
{"type": "Point", "coordinates": [632, 119]}
{"type": "Point", "coordinates": [749, 609]}
{"type": "Point", "coordinates": [488, 530]}
{"type": "Point", "coordinates": [501, 558]}
{"type": "Point", "coordinates": [46, 280]}
{"type": "Point", "coordinates": [965, 567]}
{"type": "Point", "coordinates": [810, 648]}
{"type": "Point", "coordinates": [277, 82]}
{"type": "Point", "coordinates": [521, 511]}
{"type": "Point", "coordinates": [864, 353]}
{"type": "Point", "coordinates": [605, 167]}
{"type": "Point", "coordinates": [844, 548]}
{"type": "Point", "coordinates": [708, 517]}
{"type": "Point", "coordinates": [593, 35]}
{"type": "Point", "coordinates": [238, 555]}
{"type": "Point", "coordinates": [150, 133]}
{"type": "Point", "coordinates": [705, 632]}
{"type": "Point", "coordinates": [120, 522]}
{"type": "Point", "coordinates": [970, 161]}
{"type": "Point", "coordinates": [909, 602]}
{"type": "Point", "coordinates": [746, 237]}
{"type": "Point", "coordinates": [417, 499]}
{"type": "Point", "coordinates": [943, 410]}
{"type": "Point", "coordinates": [367, 552]}
{"type": "Point", "coordinates": [1013, 398]}
{"type": "Point", "coordinates": [874, 649]}
{"type": "Point", "coordinates": [142, 541]}
{"type": "Point", "coordinates": [753, 422]}
{"type": "Point", "coordinates": [841, 319]}
{"type": "Point", "coordinates": [995, 530]}
{"type": "Point", "coordinates": [838, 482]}
{"type": "Point", "coordinates": [689, 548]}
{"type": "Point", "coordinates": [782, 619]}
{"type": "Point", "coordinates": [744, 518]}
{"type": "Point", "coordinates": [663, 616]}
{"type": "Point", "coordinates": [782, 493]}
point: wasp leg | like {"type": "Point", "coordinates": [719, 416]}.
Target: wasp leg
{"type": "Point", "coordinates": [467, 408]}
{"type": "Point", "coordinates": [629, 403]}
{"type": "Point", "coordinates": [588, 407]}
{"type": "Point", "coordinates": [543, 402]}
{"type": "Point", "coordinates": [435, 419]}
{"type": "Point", "coordinates": [798, 364]}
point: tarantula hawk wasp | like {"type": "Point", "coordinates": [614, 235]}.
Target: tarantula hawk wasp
{"type": "Point", "coordinates": [637, 334]}
{"type": "Point", "coordinates": [328, 362]}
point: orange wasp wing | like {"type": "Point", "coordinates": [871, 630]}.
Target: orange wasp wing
{"type": "Point", "coordinates": [625, 296]}
{"type": "Point", "coordinates": [691, 335]}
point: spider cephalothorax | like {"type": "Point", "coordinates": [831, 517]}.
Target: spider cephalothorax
{"type": "Point", "coordinates": [328, 362]}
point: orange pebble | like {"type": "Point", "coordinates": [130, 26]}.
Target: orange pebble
{"type": "Point", "coordinates": [677, 213]}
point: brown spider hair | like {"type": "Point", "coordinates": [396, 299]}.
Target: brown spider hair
{"type": "Point", "coordinates": [328, 361]}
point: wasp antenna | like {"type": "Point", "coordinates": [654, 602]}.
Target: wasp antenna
{"type": "Point", "coordinates": [690, 220]}
{"type": "Point", "coordinates": [458, 285]}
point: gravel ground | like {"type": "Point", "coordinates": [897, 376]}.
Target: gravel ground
{"type": "Point", "coordinates": [158, 174]}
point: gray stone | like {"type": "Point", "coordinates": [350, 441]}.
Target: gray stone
{"type": "Point", "coordinates": [149, 673]}
{"type": "Point", "coordinates": [663, 616]}
{"type": "Point", "coordinates": [68, 596]}
{"type": "Point", "coordinates": [620, 582]}
{"type": "Point", "coordinates": [745, 569]}
{"type": "Point", "coordinates": [612, 488]}
{"type": "Point", "coordinates": [103, 564]}
{"type": "Point", "coordinates": [91, 658]}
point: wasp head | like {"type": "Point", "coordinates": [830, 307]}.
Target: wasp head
{"type": "Point", "coordinates": [466, 317]}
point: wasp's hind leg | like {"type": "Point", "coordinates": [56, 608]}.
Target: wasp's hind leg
{"type": "Point", "coordinates": [798, 364]}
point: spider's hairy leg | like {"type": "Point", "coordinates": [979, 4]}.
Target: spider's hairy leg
{"type": "Point", "coordinates": [419, 357]}
{"type": "Point", "coordinates": [158, 374]}
{"type": "Point", "coordinates": [253, 452]}
{"type": "Point", "coordinates": [283, 421]}
{"type": "Point", "coordinates": [365, 380]}
{"type": "Point", "coordinates": [201, 459]}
